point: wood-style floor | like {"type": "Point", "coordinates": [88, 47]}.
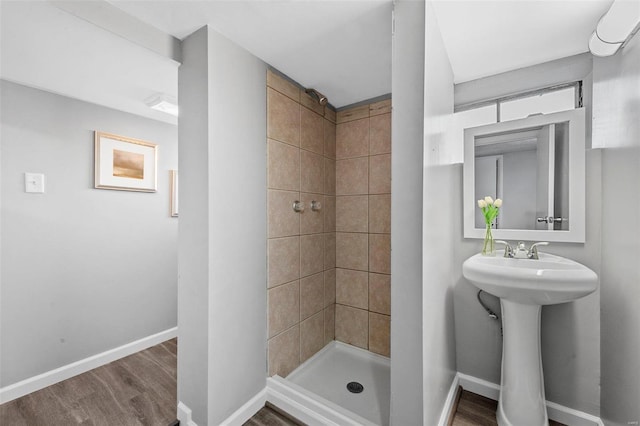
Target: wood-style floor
{"type": "Point", "coordinates": [136, 390]}
{"type": "Point", "coordinates": [476, 410]}
{"type": "Point", "coordinates": [141, 390]}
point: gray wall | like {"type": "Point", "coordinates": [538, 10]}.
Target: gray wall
{"type": "Point", "coordinates": [564, 70]}
{"type": "Point", "coordinates": [193, 241]}
{"type": "Point", "coordinates": [406, 213]}
{"type": "Point", "coordinates": [571, 331]}
{"type": "Point", "coordinates": [222, 250]}
{"type": "Point", "coordinates": [616, 128]}
{"type": "Point", "coordinates": [422, 334]}
{"type": "Point", "coordinates": [84, 270]}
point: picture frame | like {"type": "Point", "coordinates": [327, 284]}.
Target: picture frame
{"type": "Point", "coordinates": [125, 164]}
{"type": "Point", "coordinates": [173, 179]}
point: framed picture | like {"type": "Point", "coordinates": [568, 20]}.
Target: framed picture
{"type": "Point", "coordinates": [125, 164]}
{"type": "Point", "coordinates": [174, 192]}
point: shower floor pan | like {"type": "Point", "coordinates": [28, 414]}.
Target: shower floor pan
{"type": "Point", "coordinates": [327, 373]}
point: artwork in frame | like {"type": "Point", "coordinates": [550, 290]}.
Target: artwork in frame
{"type": "Point", "coordinates": [124, 163]}
{"type": "Point", "coordinates": [174, 192]}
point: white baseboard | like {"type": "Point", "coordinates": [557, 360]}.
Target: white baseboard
{"type": "Point", "coordinates": [556, 412]}
{"type": "Point", "coordinates": [184, 415]}
{"type": "Point", "coordinates": [247, 411]}
{"type": "Point", "coordinates": [41, 381]}
{"type": "Point", "coordinates": [447, 409]}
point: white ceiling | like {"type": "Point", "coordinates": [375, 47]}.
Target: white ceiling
{"type": "Point", "coordinates": [484, 38]}
{"type": "Point", "coordinates": [46, 48]}
{"type": "Point", "coordinates": [342, 48]}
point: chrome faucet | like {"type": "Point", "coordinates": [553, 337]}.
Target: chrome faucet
{"type": "Point", "coordinates": [533, 250]}
{"type": "Point", "coordinates": [521, 252]}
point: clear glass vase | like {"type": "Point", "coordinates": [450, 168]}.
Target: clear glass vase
{"type": "Point", "coordinates": [489, 247]}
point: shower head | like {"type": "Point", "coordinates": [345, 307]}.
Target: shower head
{"type": "Point", "coordinates": [322, 99]}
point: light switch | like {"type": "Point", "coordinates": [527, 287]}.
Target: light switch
{"type": "Point", "coordinates": [34, 182]}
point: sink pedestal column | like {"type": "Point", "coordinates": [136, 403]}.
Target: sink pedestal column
{"type": "Point", "coordinates": [522, 401]}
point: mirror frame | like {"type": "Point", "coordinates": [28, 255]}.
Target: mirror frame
{"type": "Point", "coordinates": [577, 178]}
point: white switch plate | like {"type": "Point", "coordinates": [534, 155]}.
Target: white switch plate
{"type": "Point", "coordinates": [34, 182]}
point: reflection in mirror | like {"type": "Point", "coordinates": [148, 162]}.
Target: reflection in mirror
{"type": "Point", "coordinates": [536, 165]}
{"type": "Point", "coordinates": [528, 167]}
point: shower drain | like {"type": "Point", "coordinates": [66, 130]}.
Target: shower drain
{"type": "Point", "coordinates": [354, 387]}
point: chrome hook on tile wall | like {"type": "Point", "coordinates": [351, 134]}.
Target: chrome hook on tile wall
{"type": "Point", "coordinates": [316, 206]}
{"type": "Point", "coordinates": [298, 206]}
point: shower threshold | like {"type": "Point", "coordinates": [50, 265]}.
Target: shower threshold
{"type": "Point", "coordinates": [319, 387]}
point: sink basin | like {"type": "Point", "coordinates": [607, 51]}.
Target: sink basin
{"type": "Point", "coordinates": [523, 286]}
{"type": "Point", "coordinates": [546, 281]}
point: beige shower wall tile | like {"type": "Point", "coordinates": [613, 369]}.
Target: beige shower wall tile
{"type": "Point", "coordinates": [380, 293]}
{"type": "Point", "coordinates": [380, 213]}
{"type": "Point", "coordinates": [329, 209]}
{"type": "Point", "coordinates": [311, 254]}
{"type": "Point", "coordinates": [380, 174]}
{"type": "Point", "coordinates": [329, 323]}
{"type": "Point", "coordinates": [352, 326]}
{"type": "Point", "coordinates": [329, 287]}
{"type": "Point", "coordinates": [329, 250]}
{"type": "Point", "coordinates": [282, 85]}
{"type": "Point", "coordinates": [352, 176]}
{"type": "Point", "coordinates": [311, 221]}
{"type": "Point", "coordinates": [311, 336]}
{"type": "Point", "coordinates": [284, 307]}
{"type": "Point", "coordinates": [352, 288]}
{"type": "Point", "coordinates": [329, 114]}
{"type": "Point", "coordinates": [380, 253]}
{"type": "Point", "coordinates": [352, 213]}
{"type": "Point", "coordinates": [311, 103]}
{"type": "Point", "coordinates": [283, 221]}
{"type": "Point", "coordinates": [329, 176]}
{"type": "Point", "coordinates": [311, 131]}
{"type": "Point", "coordinates": [379, 334]}
{"type": "Point", "coordinates": [329, 139]}
{"type": "Point", "coordinates": [352, 251]}
{"type": "Point", "coordinates": [284, 352]}
{"type": "Point", "coordinates": [380, 141]}
{"type": "Point", "coordinates": [284, 260]}
{"type": "Point", "coordinates": [352, 114]}
{"type": "Point", "coordinates": [380, 107]}
{"type": "Point", "coordinates": [352, 139]}
{"type": "Point", "coordinates": [283, 166]}
{"type": "Point", "coordinates": [311, 172]}
{"type": "Point", "coordinates": [283, 118]}
{"type": "Point", "coordinates": [311, 295]}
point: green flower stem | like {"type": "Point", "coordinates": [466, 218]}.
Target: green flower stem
{"type": "Point", "coordinates": [488, 248]}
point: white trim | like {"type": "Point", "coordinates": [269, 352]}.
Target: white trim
{"type": "Point", "coordinates": [244, 413]}
{"type": "Point", "coordinates": [184, 415]}
{"type": "Point", "coordinates": [479, 386]}
{"type": "Point", "coordinates": [309, 407]}
{"type": "Point", "coordinates": [572, 417]}
{"type": "Point", "coordinates": [447, 409]}
{"type": "Point", "coordinates": [555, 411]}
{"type": "Point", "coordinates": [41, 381]}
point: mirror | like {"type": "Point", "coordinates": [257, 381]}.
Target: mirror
{"type": "Point", "coordinates": [536, 165]}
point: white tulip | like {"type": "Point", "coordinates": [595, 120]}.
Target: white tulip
{"type": "Point", "coordinates": [482, 204]}
{"type": "Point", "coordinates": [498, 202]}
{"type": "Point", "coordinates": [488, 200]}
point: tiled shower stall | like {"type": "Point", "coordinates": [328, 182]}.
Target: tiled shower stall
{"type": "Point", "coordinates": [329, 267]}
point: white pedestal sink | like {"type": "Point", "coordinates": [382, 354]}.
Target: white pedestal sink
{"type": "Point", "coordinates": [523, 286]}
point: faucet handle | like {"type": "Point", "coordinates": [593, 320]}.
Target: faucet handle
{"type": "Point", "coordinates": [533, 250]}
{"type": "Point", "coordinates": [508, 251]}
